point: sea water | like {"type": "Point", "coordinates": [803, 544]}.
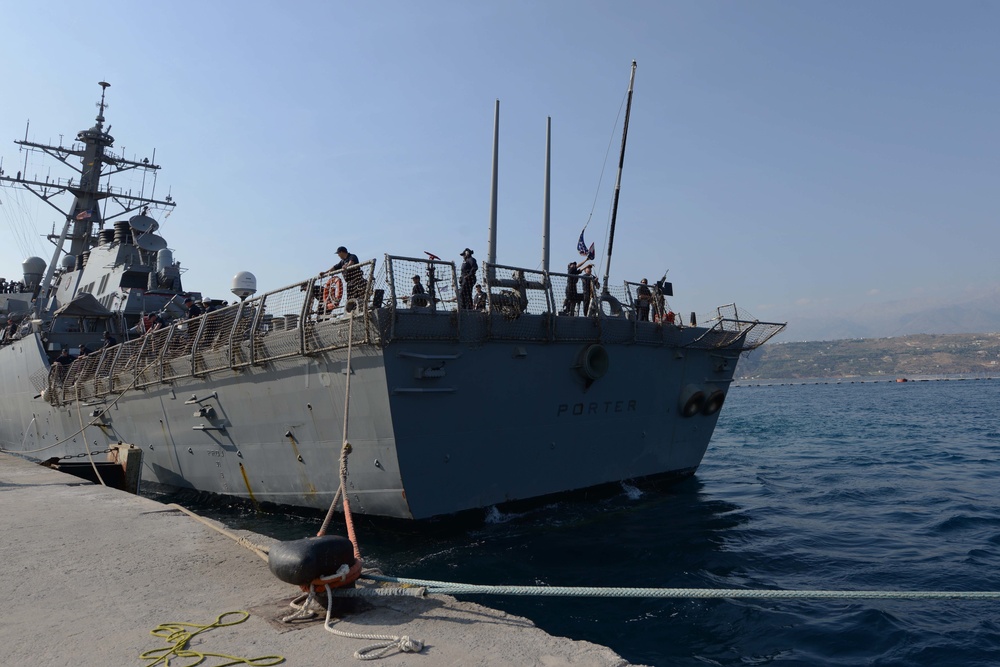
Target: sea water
{"type": "Point", "coordinates": [864, 485]}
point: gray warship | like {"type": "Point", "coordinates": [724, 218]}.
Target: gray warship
{"type": "Point", "coordinates": [259, 399]}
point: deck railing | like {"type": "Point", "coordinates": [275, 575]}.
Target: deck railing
{"type": "Point", "coordinates": [314, 316]}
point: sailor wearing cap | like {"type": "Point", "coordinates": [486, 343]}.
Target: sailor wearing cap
{"type": "Point", "coordinates": [193, 309]}
{"type": "Point", "coordinates": [645, 298]}
{"type": "Point", "coordinates": [356, 283]}
{"type": "Point", "coordinates": [419, 295]}
{"type": "Point", "coordinates": [479, 301]}
{"type": "Point", "coordinates": [467, 278]}
{"type": "Point", "coordinates": [346, 259]}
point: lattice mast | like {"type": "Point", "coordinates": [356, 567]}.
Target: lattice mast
{"type": "Point", "coordinates": [92, 147]}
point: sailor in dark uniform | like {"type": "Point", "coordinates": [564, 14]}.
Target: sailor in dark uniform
{"type": "Point", "coordinates": [61, 366]}
{"type": "Point", "coordinates": [645, 300]}
{"type": "Point", "coordinates": [467, 278]}
{"type": "Point", "coordinates": [356, 283]}
{"type": "Point", "coordinates": [479, 300]}
{"type": "Point", "coordinates": [418, 296]}
{"type": "Point", "coordinates": [573, 296]}
{"type": "Point", "coordinates": [193, 309]}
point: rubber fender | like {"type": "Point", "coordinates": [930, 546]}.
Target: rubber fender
{"type": "Point", "coordinates": [713, 403]}
{"type": "Point", "coordinates": [692, 401]}
{"type": "Point", "coordinates": [302, 561]}
{"type": "Point", "coordinates": [594, 362]}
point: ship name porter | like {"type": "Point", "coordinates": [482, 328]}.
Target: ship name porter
{"type": "Point", "coordinates": [595, 408]}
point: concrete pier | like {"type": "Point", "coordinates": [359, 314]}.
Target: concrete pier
{"type": "Point", "coordinates": [87, 572]}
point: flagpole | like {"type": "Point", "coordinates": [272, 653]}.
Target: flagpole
{"type": "Point", "coordinates": [618, 183]}
{"type": "Point", "coordinates": [491, 241]}
{"type": "Point", "coordinates": [546, 207]}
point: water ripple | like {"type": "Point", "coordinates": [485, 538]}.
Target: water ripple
{"type": "Point", "coordinates": [873, 486]}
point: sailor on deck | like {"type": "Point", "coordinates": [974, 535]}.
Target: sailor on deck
{"type": "Point", "coordinates": [356, 283]}
{"type": "Point", "coordinates": [590, 287]}
{"type": "Point", "coordinates": [479, 300]}
{"type": "Point", "coordinates": [467, 278]}
{"type": "Point", "coordinates": [193, 309]}
{"type": "Point", "coordinates": [645, 297]}
{"type": "Point", "coordinates": [61, 365]}
{"type": "Point", "coordinates": [573, 296]}
{"type": "Point", "coordinates": [418, 296]}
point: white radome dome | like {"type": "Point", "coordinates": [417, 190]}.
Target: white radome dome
{"type": "Point", "coordinates": [244, 284]}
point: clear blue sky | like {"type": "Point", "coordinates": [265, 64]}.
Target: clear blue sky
{"type": "Point", "coordinates": [788, 156]}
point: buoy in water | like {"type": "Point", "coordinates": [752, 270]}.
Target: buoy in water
{"type": "Point", "coordinates": [301, 562]}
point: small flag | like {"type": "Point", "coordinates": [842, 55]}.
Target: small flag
{"type": "Point", "coordinates": [581, 247]}
{"type": "Point", "coordinates": [83, 215]}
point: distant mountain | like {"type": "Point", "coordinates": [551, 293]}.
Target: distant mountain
{"type": "Point", "coordinates": [971, 355]}
{"type": "Point", "coordinates": [979, 314]}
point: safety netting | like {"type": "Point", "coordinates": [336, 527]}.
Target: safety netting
{"type": "Point", "coordinates": [405, 299]}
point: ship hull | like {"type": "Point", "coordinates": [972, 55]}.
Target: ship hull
{"type": "Point", "coordinates": [435, 426]}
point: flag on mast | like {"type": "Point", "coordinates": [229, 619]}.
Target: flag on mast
{"type": "Point", "coordinates": [581, 247]}
{"type": "Point", "coordinates": [83, 215]}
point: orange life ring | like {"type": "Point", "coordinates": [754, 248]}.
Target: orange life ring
{"type": "Point", "coordinates": [333, 292]}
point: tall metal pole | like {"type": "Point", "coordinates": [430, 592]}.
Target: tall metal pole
{"type": "Point", "coordinates": [491, 246]}
{"type": "Point", "coordinates": [546, 207]}
{"type": "Point", "coordinates": [618, 183]}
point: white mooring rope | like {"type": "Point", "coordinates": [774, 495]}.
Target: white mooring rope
{"type": "Point", "coordinates": [433, 587]}
{"type": "Point", "coordinates": [384, 645]}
